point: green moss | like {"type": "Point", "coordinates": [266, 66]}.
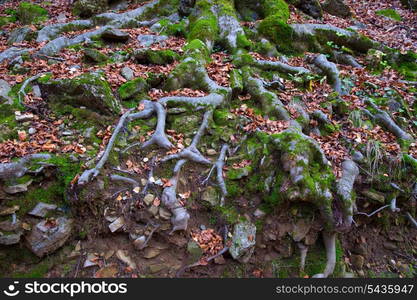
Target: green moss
{"type": "Point", "coordinates": [277, 8]}
{"type": "Point", "coordinates": [198, 50]}
{"type": "Point", "coordinates": [95, 56]}
{"type": "Point", "coordinates": [133, 88]}
{"type": "Point", "coordinates": [29, 13]}
{"type": "Point", "coordinates": [278, 32]}
{"type": "Point", "coordinates": [158, 57]}
{"type": "Point", "coordinates": [389, 13]}
{"type": "Point", "coordinates": [205, 27]}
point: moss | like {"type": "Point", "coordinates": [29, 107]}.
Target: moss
{"type": "Point", "coordinates": [389, 13]}
{"type": "Point", "coordinates": [158, 57]}
{"type": "Point", "coordinates": [133, 88]}
{"type": "Point", "coordinates": [95, 56]}
{"type": "Point", "coordinates": [29, 13]}
{"type": "Point", "coordinates": [243, 42]}
{"type": "Point", "coordinates": [278, 32]}
{"type": "Point", "coordinates": [277, 8]}
{"type": "Point", "coordinates": [198, 50]}
{"type": "Point", "coordinates": [204, 27]}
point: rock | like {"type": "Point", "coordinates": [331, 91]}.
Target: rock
{"type": "Point", "coordinates": [300, 230]}
{"type": "Point", "coordinates": [10, 239]}
{"type": "Point", "coordinates": [115, 35]}
{"type": "Point", "coordinates": [390, 246]}
{"type": "Point", "coordinates": [357, 261]}
{"type": "Point", "coordinates": [373, 195]}
{"type": "Point", "coordinates": [151, 253]}
{"type": "Point", "coordinates": [243, 241]}
{"type": "Point", "coordinates": [127, 73]}
{"type": "Point", "coordinates": [13, 52]}
{"type": "Point", "coordinates": [95, 56]}
{"type": "Point", "coordinates": [41, 209]}
{"type": "Point", "coordinates": [164, 213]}
{"type": "Point", "coordinates": [91, 260]}
{"type": "Point", "coordinates": [10, 225]}
{"type": "Point", "coordinates": [17, 188]}
{"type": "Point", "coordinates": [310, 7]}
{"type": "Point", "coordinates": [194, 251]}
{"type": "Point", "coordinates": [148, 199]}
{"type": "Point", "coordinates": [117, 224]}
{"type": "Point", "coordinates": [4, 92]}
{"type": "Point", "coordinates": [258, 213]}
{"type": "Point", "coordinates": [23, 117]}
{"type": "Point", "coordinates": [44, 240]}
{"type": "Point", "coordinates": [133, 88]}
{"type": "Point", "coordinates": [211, 196]}
{"type": "Point", "coordinates": [36, 91]}
{"type": "Point", "coordinates": [122, 255]}
{"type": "Point", "coordinates": [88, 8]}
{"type": "Point", "coordinates": [211, 152]}
{"type": "Point", "coordinates": [67, 133]}
{"type": "Point", "coordinates": [19, 35]}
{"type": "Point", "coordinates": [153, 210]}
{"type": "Point", "coordinates": [236, 174]}
{"type": "Point", "coordinates": [148, 40]}
{"type": "Point", "coordinates": [337, 8]}
{"type": "Point", "coordinates": [157, 57]}
{"type": "Point", "coordinates": [5, 211]}
{"type": "Point", "coordinates": [89, 90]}
{"type": "Point", "coordinates": [139, 242]}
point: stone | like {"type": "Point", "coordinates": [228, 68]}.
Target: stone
{"type": "Point", "coordinates": [194, 251]}
{"type": "Point", "coordinates": [10, 239]}
{"type": "Point", "coordinates": [5, 211]}
{"type": "Point", "coordinates": [148, 199]}
{"type": "Point", "coordinates": [337, 8]}
{"type": "Point", "coordinates": [153, 210]}
{"type": "Point", "coordinates": [258, 213]}
{"type": "Point", "coordinates": [117, 224]}
{"type": "Point", "coordinates": [91, 260]}
{"type": "Point", "coordinates": [4, 92]}
{"type": "Point", "coordinates": [164, 213]}
{"type": "Point", "coordinates": [156, 268]}
{"type": "Point", "coordinates": [211, 152]}
{"type": "Point", "coordinates": [17, 188]}
{"type": "Point", "coordinates": [127, 73]}
{"type": "Point", "coordinates": [151, 253]}
{"type": "Point", "coordinates": [44, 240]}
{"type": "Point", "coordinates": [243, 241]}
{"type": "Point", "coordinates": [139, 243]}
{"type": "Point", "coordinates": [122, 255]}
{"type": "Point", "coordinates": [41, 209]}
{"type": "Point", "coordinates": [148, 40]}
{"type": "Point", "coordinates": [8, 225]}
{"type": "Point", "coordinates": [211, 196]}
{"type": "Point", "coordinates": [133, 88]}
{"type": "Point", "coordinates": [19, 35]}
{"type": "Point", "coordinates": [357, 261]}
{"type": "Point", "coordinates": [115, 35]}
{"type": "Point", "coordinates": [88, 8]}
{"type": "Point", "coordinates": [90, 90]}
{"type": "Point", "coordinates": [95, 56]}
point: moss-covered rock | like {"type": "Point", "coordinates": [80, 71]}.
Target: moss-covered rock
{"type": "Point", "coordinates": [95, 56]}
{"type": "Point", "coordinates": [90, 90]}
{"type": "Point", "coordinates": [88, 8]}
{"type": "Point", "coordinates": [157, 57]}
{"type": "Point", "coordinates": [133, 88]}
{"type": "Point", "coordinates": [29, 13]}
{"type": "Point", "coordinates": [389, 13]}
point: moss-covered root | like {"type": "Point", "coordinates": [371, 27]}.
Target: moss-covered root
{"type": "Point", "coordinates": [345, 189]}
{"type": "Point", "coordinates": [271, 105]}
{"type": "Point", "coordinates": [191, 152]}
{"type": "Point", "coordinates": [169, 199]}
{"type": "Point", "coordinates": [231, 34]}
{"type": "Point", "coordinates": [90, 174]}
{"type": "Point", "coordinates": [329, 239]}
{"type": "Point", "coordinates": [386, 121]}
{"type": "Point", "coordinates": [266, 65]}
{"type": "Point", "coordinates": [330, 70]}
{"type": "Point", "coordinates": [345, 59]}
{"type": "Point", "coordinates": [21, 167]}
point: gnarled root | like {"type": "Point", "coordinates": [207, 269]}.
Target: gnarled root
{"type": "Point", "coordinates": [191, 152]}
{"type": "Point", "coordinates": [19, 168]}
{"type": "Point", "coordinates": [169, 199]}
{"type": "Point", "coordinates": [330, 70]}
{"type": "Point", "coordinates": [329, 239]}
{"type": "Point", "coordinates": [344, 188]}
{"type": "Point", "coordinates": [159, 138]}
{"type": "Point", "coordinates": [219, 164]}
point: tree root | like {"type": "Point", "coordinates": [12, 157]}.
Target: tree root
{"type": "Point", "coordinates": [22, 94]}
{"type": "Point", "coordinates": [229, 28]}
{"type": "Point", "coordinates": [279, 67]}
{"type": "Point", "coordinates": [331, 71]}
{"type": "Point", "coordinates": [330, 245]}
{"type": "Point", "coordinates": [169, 199]}
{"type": "Point", "coordinates": [303, 255]}
{"type": "Point", "coordinates": [20, 168]}
{"type": "Point", "coordinates": [159, 138]}
{"type": "Point", "coordinates": [90, 174]}
{"type": "Point", "coordinates": [219, 164]}
{"type": "Point", "coordinates": [345, 187]}
{"type": "Point", "coordinates": [191, 152]}
{"type": "Point", "coordinates": [345, 59]}
{"type": "Point", "coordinates": [412, 220]}
{"type": "Point", "coordinates": [128, 180]}
{"type": "Point", "coordinates": [385, 120]}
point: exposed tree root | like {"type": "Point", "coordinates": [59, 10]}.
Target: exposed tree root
{"type": "Point", "coordinates": [169, 199]}
{"type": "Point", "coordinates": [411, 219]}
{"type": "Point", "coordinates": [345, 187]}
{"type": "Point", "coordinates": [303, 255]}
{"type": "Point", "coordinates": [22, 94]}
{"type": "Point", "coordinates": [128, 180]}
{"type": "Point", "coordinates": [219, 164]}
{"type": "Point", "coordinates": [330, 245]}
{"type": "Point", "coordinates": [279, 67]}
{"type": "Point", "coordinates": [331, 71]}
{"type": "Point", "coordinates": [20, 168]}
{"type": "Point", "coordinates": [159, 138]}
{"type": "Point", "coordinates": [345, 59]}
{"type": "Point", "coordinates": [191, 152]}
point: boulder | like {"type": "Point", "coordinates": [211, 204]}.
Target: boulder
{"type": "Point", "coordinates": [90, 90]}
{"type": "Point", "coordinates": [45, 239]}
{"type": "Point", "coordinates": [88, 8]}
{"type": "Point", "coordinates": [127, 73]}
{"type": "Point", "coordinates": [211, 196]}
{"type": "Point", "coordinates": [310, 7]}
{"type": "Point", "coordinates": [337, 8]}
{"type": "Point", "coordinates": [243, 241]}
{"type": "Point", "coordinates": [115, 35]}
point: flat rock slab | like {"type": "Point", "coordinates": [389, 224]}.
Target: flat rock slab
{"type": "Point", "coordinates": [44, 239]}
{"type": "Point", "coordinates": [148, 40]}
{"type": "Point", "coordinates": [41, 209]}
